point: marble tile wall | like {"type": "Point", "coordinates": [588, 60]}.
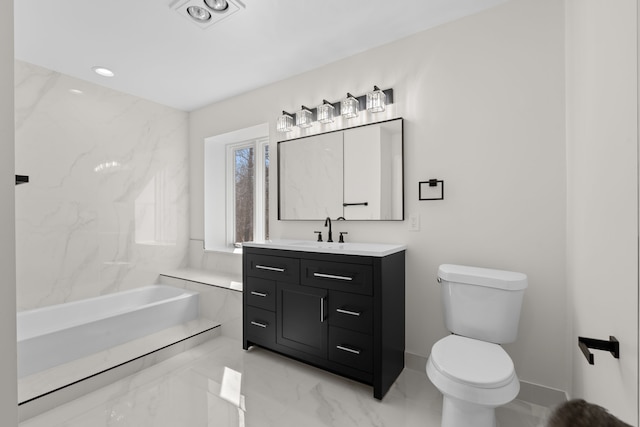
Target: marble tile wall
{"type": "Point", "coordinates": [107, 203]}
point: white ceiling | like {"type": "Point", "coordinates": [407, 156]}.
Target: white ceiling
{"type": "Point", "coordinates": [160, 55]}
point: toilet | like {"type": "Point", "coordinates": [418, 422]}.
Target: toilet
{"type": "Point", "coordinates": [470, 368]}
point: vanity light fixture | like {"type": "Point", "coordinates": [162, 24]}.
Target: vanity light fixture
{"type": "Point", "coordinates": [349, 106]}
{"type": "Point", "coordinates": [285, 122]}
{"type": "Point", "coordinates": [325, 112]}
{"type": "Point", "coordinates": [304, 117]}
{"type": "Point", "coordinates": [376, 100]}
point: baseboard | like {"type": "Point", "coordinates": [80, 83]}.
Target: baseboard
{"type": "Point", "coordinates": [541, 395]}
{"type": "Point", "coordinates": [529, 392]}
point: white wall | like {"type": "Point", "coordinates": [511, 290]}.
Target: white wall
{"type": "Point", "coordinates": [602, 205]}
{"type": "Point", "coordinates": [106, 205]}
{"type": "Point", "coordinates": [8, 390]}
{"type": "Point", "coordinates": [483, 102]}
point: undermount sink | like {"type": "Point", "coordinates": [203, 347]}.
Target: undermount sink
{"type": "Point", "coordinates": [349, 248]}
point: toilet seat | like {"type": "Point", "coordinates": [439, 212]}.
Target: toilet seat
{"type": "Point", "coordinates": [472, 362]}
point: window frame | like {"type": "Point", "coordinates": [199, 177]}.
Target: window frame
{"type": "Point", "coordinates": [259, 194]}
{"type": "Point", "coordinates": [217, 220]}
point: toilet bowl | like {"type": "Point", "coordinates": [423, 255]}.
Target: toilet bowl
{"type": "Point", "coordinates": [470, 368]}
{"type": "Point", "coordinates": [474, 377]}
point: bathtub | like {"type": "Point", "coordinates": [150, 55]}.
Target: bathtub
{"type": "Point", "coordinates": [53, 335]}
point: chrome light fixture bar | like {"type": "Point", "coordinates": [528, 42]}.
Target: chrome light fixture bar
{"type": "Point", "coordinates": [349, 107]}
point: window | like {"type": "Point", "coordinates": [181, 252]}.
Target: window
{"type": "Point", "coordinates": [247, 191]}
{"type": "Point", "coordinates": [236, 188]}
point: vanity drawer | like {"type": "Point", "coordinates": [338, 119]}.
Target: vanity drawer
{"type": "Point", "coordinates": [260, 326]}
{"type": "Point", "coordinates": [273, 267]}
{"type": "Point", "coordinates": [356, 278]}
{"type": "Point", "coordinates": [351, 349]}
{"type": "Point", "coordinates": [261, 293]}
{"type": "Point", "coordinates": [351, 311]}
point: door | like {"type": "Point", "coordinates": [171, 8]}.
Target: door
{"type": "Point", "coordinates": [602, 195]}
{"type": "Point", "coordinates": [302, 318]}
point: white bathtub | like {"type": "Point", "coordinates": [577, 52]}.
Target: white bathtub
{"type": "Point", "coordinates": [53, 335]}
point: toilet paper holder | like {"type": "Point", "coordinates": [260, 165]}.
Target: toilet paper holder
{"type": "Point", "coordinates": [612, 346]}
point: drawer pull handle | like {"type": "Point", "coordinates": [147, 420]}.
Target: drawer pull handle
{"type": "Point", "coordinates": [347, 349]}
{"type": "Point", "coordinates": [332, 276]}
{"type": "Point", "coordinates": [321, 309]}
{"type": "Point", "coordinates": [349, 312]}
{"type": "Point", "coordinates": [262, 325]}
{"type": "Point", "coordinates": [259, 294]}
{"type": "Point", "coordinates": [266, 267]}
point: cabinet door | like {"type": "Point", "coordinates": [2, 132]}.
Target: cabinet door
{"type": "Point", "coordinates": [302, 318]}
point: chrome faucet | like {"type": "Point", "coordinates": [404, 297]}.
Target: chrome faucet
{"type": "Point", "coordinates": [327, 223]}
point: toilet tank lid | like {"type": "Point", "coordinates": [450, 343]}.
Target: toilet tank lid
{"type": "Point", "coordinates": [507, 280]}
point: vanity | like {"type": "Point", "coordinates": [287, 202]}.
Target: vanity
{"type": "Point", "coordinates": [337, 306]}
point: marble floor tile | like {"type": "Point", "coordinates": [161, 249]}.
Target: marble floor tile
{"type": "Point", "coordinates": [219, 384]}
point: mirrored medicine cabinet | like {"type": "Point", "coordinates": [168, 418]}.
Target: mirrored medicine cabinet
{"type": "Point", "coordinates": [355, 173]}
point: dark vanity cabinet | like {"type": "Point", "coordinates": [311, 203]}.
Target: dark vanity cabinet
{"type": "Point", "coordinates": [341, 313]}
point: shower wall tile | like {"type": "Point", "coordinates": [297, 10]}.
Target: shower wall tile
{"type": "Point", "coordinates": [106, 204]}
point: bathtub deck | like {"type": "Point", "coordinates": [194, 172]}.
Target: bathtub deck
{"type": "Point", "coordinates": [65, 382]}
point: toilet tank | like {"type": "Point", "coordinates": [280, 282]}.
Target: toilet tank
{"type": "Point", "coordinates": [482, 303]}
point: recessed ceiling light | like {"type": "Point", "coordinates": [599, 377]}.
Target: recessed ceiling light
{"type": "Point", "coordinates": [206, 13]}
{"type": "Point", "coordinates": [217, 5]}
{"type": "Point", "coordinates": [104, 72]}
{"type": "Point", "coordinates": [76, 91]}
{"type": "Point", "coordinates": [199, 13]}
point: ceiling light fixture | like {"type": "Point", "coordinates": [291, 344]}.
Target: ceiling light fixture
{"type": "Point", "coordinates": [205, 13]}
{"type": "Point", "coordinates": [217, 5]}
{"type": "Point", "coordinates": [198, 13]}
{"type": "Point", "coordinates": [103, 71]}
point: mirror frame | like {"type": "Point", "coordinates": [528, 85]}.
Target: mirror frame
{"type": "Point", "coordinates": [402, 218]}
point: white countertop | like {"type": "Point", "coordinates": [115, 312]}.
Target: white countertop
{"type": "Point", "coordinates": [363, 249]}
